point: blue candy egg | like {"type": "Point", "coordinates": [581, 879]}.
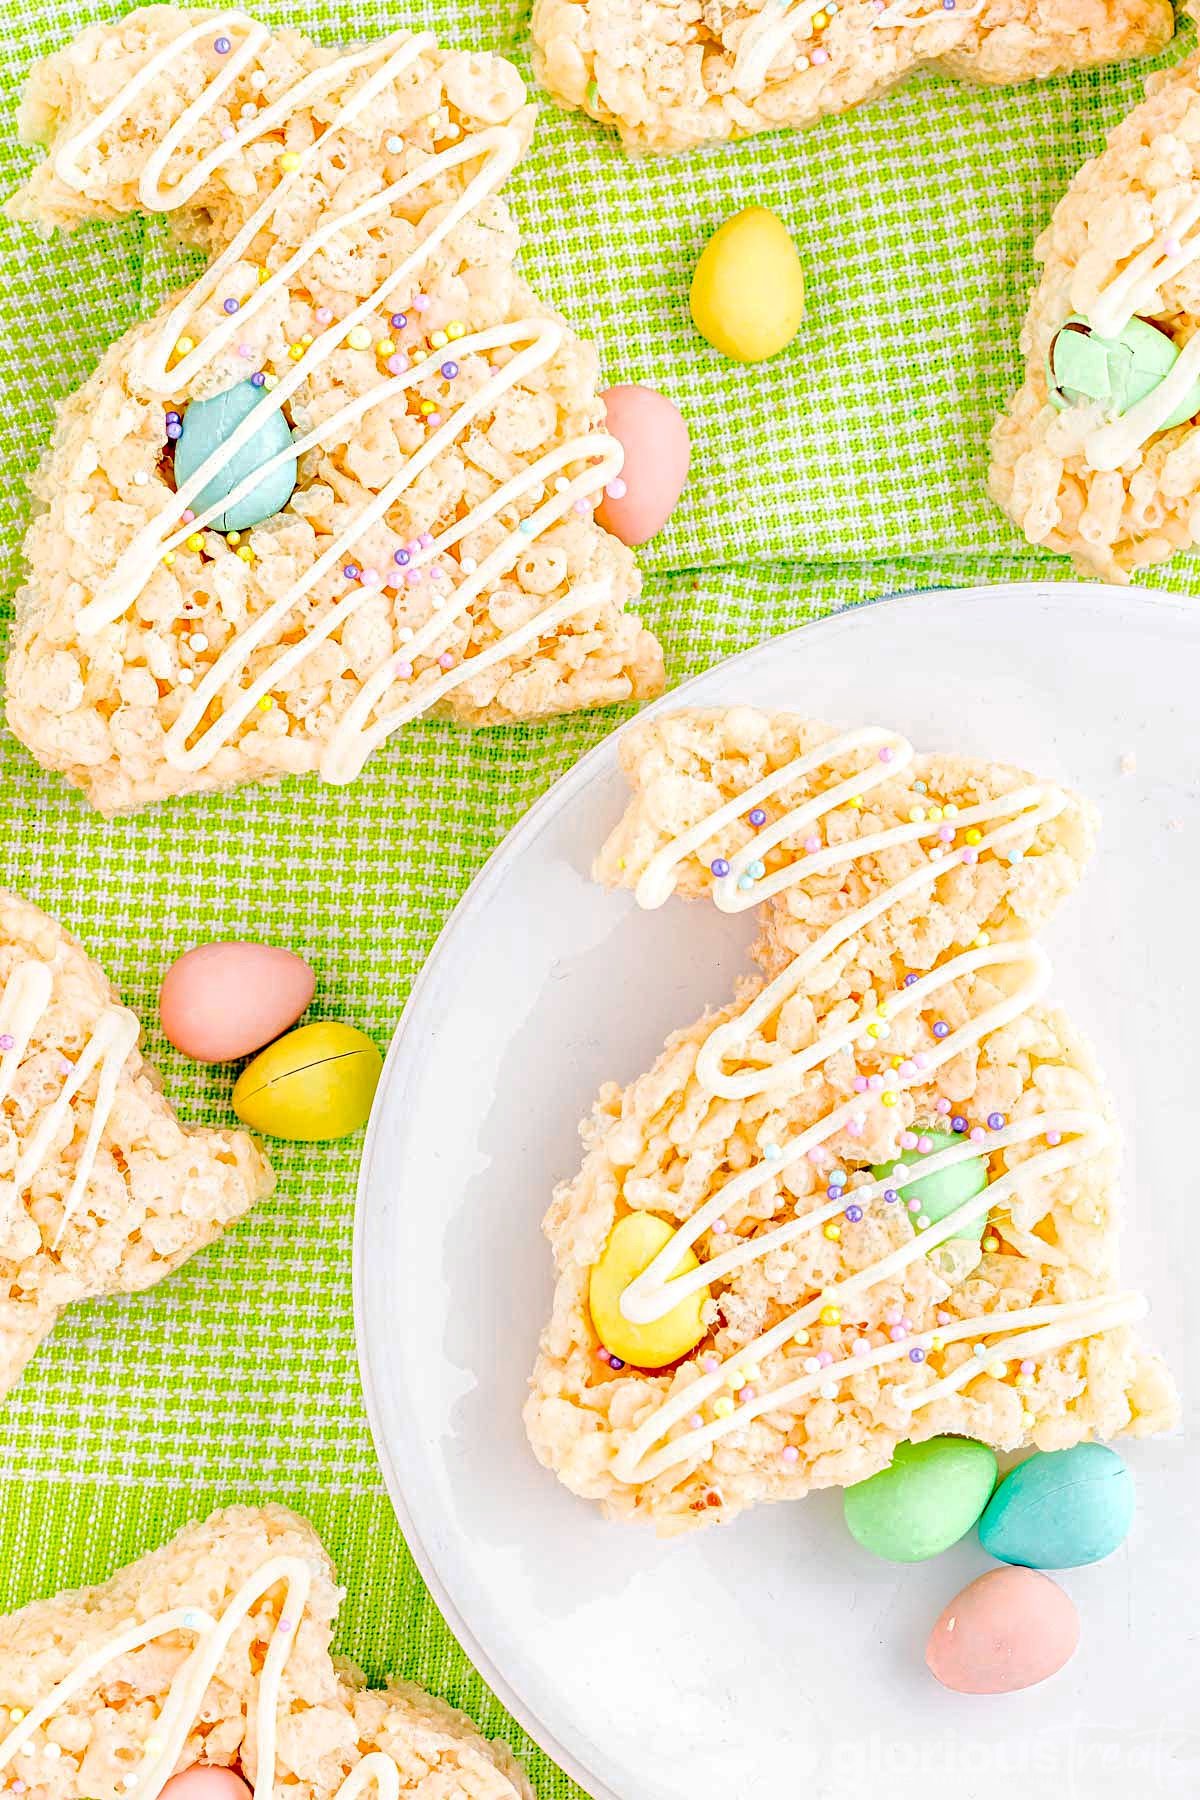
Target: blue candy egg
{"type": "Point", "coordinates": [1061, 1509]}
{"type": "Point", "coordinates": [207, 424]}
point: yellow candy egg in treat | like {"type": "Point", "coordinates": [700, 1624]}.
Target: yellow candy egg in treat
{"type": "Point", "coordinates": [632, 1246]}
{"type": "Point", "coordinates": [747, 293]}
{"type": "Point", "coordinates": [317, 1082]}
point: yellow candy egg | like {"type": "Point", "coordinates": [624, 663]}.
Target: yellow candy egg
{"type": "Point", "coordinates": [632, 1246]}
{"type": "Point", "coordinates": [317, 1082]}
{"type": "Point", "coordinates": [747, 293]}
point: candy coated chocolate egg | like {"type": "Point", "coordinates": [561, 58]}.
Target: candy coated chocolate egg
{"type": "Point", "coordinates": [221, 1001]}
{"type": "Point", "coordinates": [943, 1192]}
{"type": "Point", "coordinates": [633, 1244]}
{"type": "Point", "coordinates": [1117, 372]}
{"type": "Point", "coordinates": [206, 426]}
{"type": "Point", "coordinates": [651, 431]}
{"type": "Point", "coordinates": [747, 293]}
{"type": "Point", "coordinates": [1009, 1629]}
{"type": "Point", "coordinates": [317, 1082]}
{"type": "Point", "coordinates": [1060, 1509]}
{"type": "Point", "coordinates": [205, 1781]}
{"type": "Point", "coordinates": [927, 1498]}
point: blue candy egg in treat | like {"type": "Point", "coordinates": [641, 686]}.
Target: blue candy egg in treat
{"type": "Point", "coordinates": [1116, 372]}
{"type": "Point", "coordinates": [206, 425]}
{"type": "Point", "coordinates": [1061, 1509]}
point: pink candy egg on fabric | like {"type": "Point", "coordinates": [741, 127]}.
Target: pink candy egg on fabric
{"type": "Point", "coordinates": [221, 1001]}
{"type": "Point", "coordinates": [1009, 1629]}
{"type": "Point", "coordinates": [204, 1781]}
{"type": "Point", "coordinates": [651, 431]}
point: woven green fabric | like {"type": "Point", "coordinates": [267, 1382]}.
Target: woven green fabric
{"type": "Point", "coordinates": [851, 466]}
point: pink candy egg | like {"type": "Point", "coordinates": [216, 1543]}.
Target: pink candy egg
{"type": "Point", "coordinates": [204, 1781]}
{"type": "Point", "coordinates": [222, 1001]}
{"type": "Point", "coordinates": [1009, 1629]}
{"type": "Point", "coordinates": [651, 431]}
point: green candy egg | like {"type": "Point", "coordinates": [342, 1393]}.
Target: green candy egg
{"type": "Point", "coordinates": [1117, 372]}
{"type": "Point", "coordinates": [927, 1498]}
{"type": "Point", "coordinates": [941, 1193]}
{"type": "Point", "coordinates": [206, 426]}
{"type": "Point", "coordinates": [317, 1082]}
{"type": "Point", "coordinates": [1060, 1509]}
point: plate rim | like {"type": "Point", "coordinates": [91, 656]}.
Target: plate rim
{"type": "Point", "coordinates": [561, 792]}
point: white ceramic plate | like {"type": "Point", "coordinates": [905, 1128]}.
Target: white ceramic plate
{"type": "Point", "coordinates": [773, 1659]}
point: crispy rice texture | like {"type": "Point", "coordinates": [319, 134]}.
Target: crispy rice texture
{"type": "Point", "coordinates": [661, 72]}
{"type": "Point", "coordinates": [328, 1719]}
{"type": "Point", "coordinates": [1110, 523]}
{"type": "Point", "coordinates": [159, 1191]}
{"type": "Point", "coordinates": [98, 710]}
{"type": "Point", "coordinates": [663, 1144]}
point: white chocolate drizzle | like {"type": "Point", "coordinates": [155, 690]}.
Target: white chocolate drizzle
{"type": "Point", "coordinates": [183, 1705]}
{"type": "Point", "coordinates": [583, 466]}
{"type": "Point", "coordinates": [778, 24]}
{"type": "Point", "coordinates": [1071, 1135]}
{"type": "Point", "coordinates": [919, 12]}
{"type": "Point", "coordinates": [23, 1004]}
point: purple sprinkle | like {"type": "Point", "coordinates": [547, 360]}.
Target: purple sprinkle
{"type": "Point", "coordinates": [222, 46]}
{"type": "Point", "coordinates": [758, 817]}
{"type": "Point", "coordinates": [916, 1354]}
{"type": "Point", "coordinates": [910, 978]}
{"type": "Point", "coordinates": [890, 1196]}
{"type": "Point", "coordinates": [398, 321]}
{"type": "Point", "coordinates": [958, 1123]}
{"type": "Point", "coordinates": [7, 1040]}
{"type": "Point", "coordinates": [230, 305]}
{"type": "Point", "coordinates": [854, 1214]}
{"type": "Point", "coordinates": [449, 370]}
{"type": "Point", "coordinates": [174, 431]}
{"type": "Point", "coordinates": [614, 1362]}
{"type": "Point", "coordinates": [719, 867]}
{"type": "Point", "coordinates": [941, 1029]}
{"type": "Point", "coordinates": [258, 379]}
{"type": "Point", "coordinates": [351, 571]}
{"type": "Point", "coordinates": [995, 1121]}
{"type": "Point", "coordinates": [401, 557]}
{"type": "Point", "coordinates": [172, 418]}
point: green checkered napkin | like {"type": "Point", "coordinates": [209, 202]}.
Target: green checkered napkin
{"type": "Point", "coordinates": [851, 466]}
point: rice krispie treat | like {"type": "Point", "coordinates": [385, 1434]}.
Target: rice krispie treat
{"type": "Point", "coordinates": [348, 475]}
{"type": "Point", "coordinates": [102, 1189]}
{"type": "Point", "coordinates": [1098, 454]}
{"type": "Point", "coordinates": [873, 1198]}
{"type": "Point", "coordinates": [214, 1653]}
{"type": "Point", "coordinates": [673, 74]}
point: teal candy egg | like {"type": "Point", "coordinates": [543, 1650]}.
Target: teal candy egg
{"type": "Point", "coordinates": [1118, 372]}
{"type": "Point", "coordinates": [1061, 1509]}
{"type": "Point", "coordinates": [207, 424]}
{"type": "Point", "coordinates": [927, 1498]}
{"type": "Point", "coordinates": [942, 1193]}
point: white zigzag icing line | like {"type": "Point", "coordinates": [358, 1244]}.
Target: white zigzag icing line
{"type": "Point", "coordinates": [24, 1001]}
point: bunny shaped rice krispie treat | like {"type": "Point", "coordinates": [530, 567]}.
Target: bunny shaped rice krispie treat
{"type": "Point", "coordinates": [674, 74]}
{"type": "Point", "coordinates": [348, 475]}
{"type": "Point", "coordinates": [210, 1659]}
{"type": "Point", "coordinates": [873, 1198]}
{"type": "Point", "coordinates": [102, 1190]}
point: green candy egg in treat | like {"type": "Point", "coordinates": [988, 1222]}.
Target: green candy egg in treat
{"type": "Point", "coordinates": [1117, 372]}
{"type": "Point", "coordinates": [207, 424]}
{"type": "Point", "coordinates": [317, 1082]}
{"type": "Point", "coordinates": [946, 1190]}
{"type": "Point", "coordinates": [1061, 1509]}
{"type": "Point", "coordinates": [927, 1498]}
